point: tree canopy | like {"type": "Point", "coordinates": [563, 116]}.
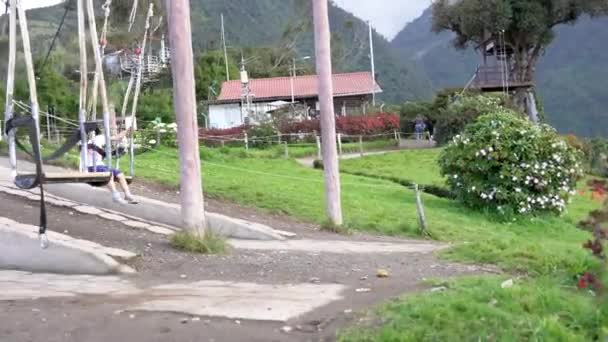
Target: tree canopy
{"type": "Point", "coordinates": [527, 24]}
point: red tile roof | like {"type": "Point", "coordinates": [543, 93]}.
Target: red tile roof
{"type": "Point", "coordinates": [351, 84]}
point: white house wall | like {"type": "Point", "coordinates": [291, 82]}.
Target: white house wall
{"type": "Point", "coordinates": [225, 116]}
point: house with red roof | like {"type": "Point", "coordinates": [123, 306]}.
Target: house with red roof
{"type": "Point", "coordinates": [251, 102]}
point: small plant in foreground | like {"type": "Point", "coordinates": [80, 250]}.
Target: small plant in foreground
{"type": "Point", "coordinates": [596, 279]}
{"type": "Point", "coordinates": [209, 244]}
{"type": "Point", "coordinates": [509, 165]}
{"type": "Point", "coordinates": [333, 228]}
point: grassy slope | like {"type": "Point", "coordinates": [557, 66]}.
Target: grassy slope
{"type": "Point", "coordinates": [381, 206]}
{"type": "Point", "coordinates": [541, 306]}
{"type": "Point", "coordinates": [418, 166]}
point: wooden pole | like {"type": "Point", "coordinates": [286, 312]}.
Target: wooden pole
{"type": "Point", "coordinates": [125, 101]}
{"type": "Point", "coordinates": [103, 41]}
{"type": "Point", "coordinates": [246, 142]}
{"type": "Point", "coordinates": [420, 211]}
{"type": "Point", "coordinates": [102, 81]}
{"type": "Point", "coordinates": [140, 65]}
{"type": "Point", "coordinates": [191, 187]}
{"type": "Point", "coordinates": [361, 145]}
{"type": "Point", "coordinates": [48, 125]}
{"type": "Point", "coordinates": [82, 111]}
{"type": "Point", "coordinates": [10, 84]}
{"type": "Point", "coordinates": [328, 118]}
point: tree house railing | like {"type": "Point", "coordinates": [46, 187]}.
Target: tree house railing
{"type": "Point", "coordinates": [491, 78]}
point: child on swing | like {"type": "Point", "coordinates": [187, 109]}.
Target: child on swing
{"type": "Point", "coordinates": [95, 163]}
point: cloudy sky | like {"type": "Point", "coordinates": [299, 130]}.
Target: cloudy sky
{"type": "Point", "coordinates": [388, 16]}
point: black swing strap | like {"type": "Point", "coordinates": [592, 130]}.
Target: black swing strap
{"type": "Point", "coordinates": [72, 140]}
{"type": "Point", "coordinates": [29, 123]}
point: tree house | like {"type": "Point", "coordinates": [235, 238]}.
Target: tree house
{"type": "Point", "coordinates": [495, 72]}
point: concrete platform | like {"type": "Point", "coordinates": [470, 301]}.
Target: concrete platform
{"type": "Point", "coordinates": [20, 250]}
{"type": "Point", "coordinates": [338, 247]}
{"type": "Point", "coordinates": [262, 302]}
{"type": "Point", "coordinates": [150, 210]}
{"type": "Point", "coordinates": [234, 300]}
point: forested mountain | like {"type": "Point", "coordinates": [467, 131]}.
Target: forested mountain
{"type": "Point", "coordinates": [287, 24]}
{"type": "Point", "coordinates": [572, 76]}
{"type": "Point", "coordinates": [282, 25]}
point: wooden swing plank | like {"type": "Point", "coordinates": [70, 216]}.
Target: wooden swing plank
{"type": "Point", "coordinates": [72, 177]}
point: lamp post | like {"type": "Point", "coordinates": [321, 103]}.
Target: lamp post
{"type": "Point", "coordinates": [293, 76]}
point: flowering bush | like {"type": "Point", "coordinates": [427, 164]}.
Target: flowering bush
{"type": "Point", "coordinates": [465, 110]}
{"type": "Point", "coordinates": [155, 134]}
{"type": "Point", "coordinates": [507, 164]}
{"type": "Point", "coordinates": [351, 125]}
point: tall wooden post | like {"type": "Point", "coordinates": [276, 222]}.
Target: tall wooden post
{"type": "Point", "coordinates": [10, 84]}
{"type": "Point", "coordinates": [328, 118]}
{"type": "Point", "coordinates": [101, 78]}
{"type": "Point", "coordinates": [82, 111]}
{"type": "Point", "coordinates": [182, 63]}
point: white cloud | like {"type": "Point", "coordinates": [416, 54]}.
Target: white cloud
{"type": "Point", "coordinates": [387, 16]}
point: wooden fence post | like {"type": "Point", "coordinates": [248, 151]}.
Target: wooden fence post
{"type": "Point", "coordinates": [158, 138]}
{"type": "Point", "coordinates": [361, 145]}
{"type": "Point", "coordinates": [420, 211]}
{"type": "Point", "coordinates": [286, 150]}
{"type": "Point", "coordinates": [339, 144]}
{"type": "Point", "coordinates": [246, 142]}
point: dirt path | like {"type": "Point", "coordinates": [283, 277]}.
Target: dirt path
{"type": "Point", "coordinates": [95, 318]}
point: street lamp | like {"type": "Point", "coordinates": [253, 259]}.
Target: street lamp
{"type": "Point", "coordinates": [293, 76]}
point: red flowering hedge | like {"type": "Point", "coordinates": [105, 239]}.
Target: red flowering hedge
{"type": "Point", "coordinates": [351, 125]}
{"type": "Point", "coordinates": [226, 132]}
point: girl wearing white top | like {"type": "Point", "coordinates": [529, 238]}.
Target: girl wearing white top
{"type": "Point", "coordinates": [95, 163]}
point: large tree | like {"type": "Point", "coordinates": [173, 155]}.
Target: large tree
{"type": "Point", "coordinates": [527, 26]}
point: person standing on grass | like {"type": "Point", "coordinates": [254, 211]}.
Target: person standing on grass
{"type": "Point", "coordinates": [95, 157]}
{"type": "Point", "coordinates": [420, 127]}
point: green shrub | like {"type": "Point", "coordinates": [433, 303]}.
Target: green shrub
{"type": "Point", "coordinates": [507, 164]}
{"type": "Point", "coordinates": [261, 136]}
{"type": "Point", "coordinates": [463, 111]}
{"type": "Point", "coordinates": [596, 154]}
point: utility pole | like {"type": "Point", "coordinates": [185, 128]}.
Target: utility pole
{"type": "Point", "coordinates": [293, 76]}
{"type": "Point", "coordinates": [328, 118]}
{"type": "Point", "coordinates": [191, 187]}
{"type": "Point", "coordinates": [371, 54]}
{"type": "Point", "coordinates": [225, 50]}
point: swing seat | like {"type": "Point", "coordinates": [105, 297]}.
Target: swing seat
{"type": "Point", "coordinates": [28, 181]}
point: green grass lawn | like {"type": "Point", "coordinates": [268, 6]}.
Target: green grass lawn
{"type": "Point", "coordinates": [417, 166]}
{"type": "Point", "coordinates": [546, 251]}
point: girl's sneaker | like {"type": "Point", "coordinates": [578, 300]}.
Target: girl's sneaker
{"type": "Point", "coordinates": [130, 199]}
{"type": "Point", "coordinates": [117, 199]}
